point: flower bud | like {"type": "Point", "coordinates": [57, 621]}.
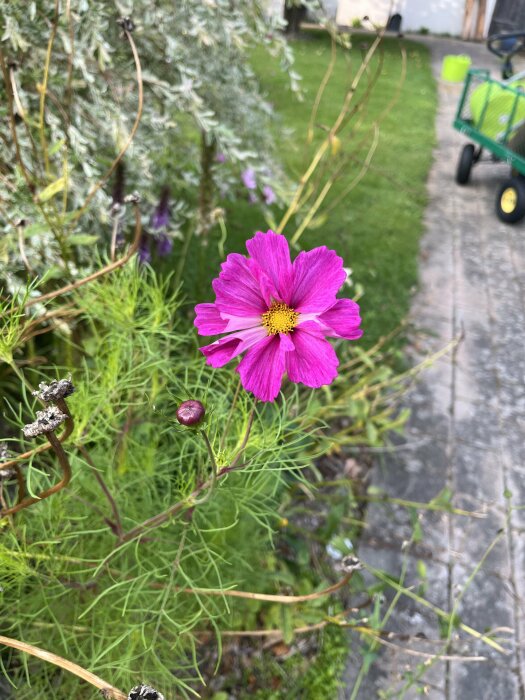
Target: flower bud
{"type": "Point", "coordinates": [190, 413]}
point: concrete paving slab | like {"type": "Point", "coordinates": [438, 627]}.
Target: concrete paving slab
{"type": "Point", "coordinates": [468, 431]}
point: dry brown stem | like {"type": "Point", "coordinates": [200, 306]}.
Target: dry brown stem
{"type": "Point", "coordinates": [107, 690]}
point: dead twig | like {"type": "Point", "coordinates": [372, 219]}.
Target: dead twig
{"type": "Point", "coordinates": [108, 691]}
{"type": "Point", "coordinates": [99, 273]}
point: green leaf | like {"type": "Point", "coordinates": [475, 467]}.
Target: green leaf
{"type": "Point", "coordinates": [52, 189]}
{"type": "Point", "coordinates": [35, 230]}
{"type": "Point", "coordinates": [82, 239]}
{"type": "Point", "coordinates": [56, 147]}
{"type": "Point", "coordinates": [287, 624]}
{"type": "Point", "coordinates": [421, 569]}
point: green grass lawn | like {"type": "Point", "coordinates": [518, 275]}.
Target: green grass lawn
{"type": "Point", "coordinates": [376, 227]}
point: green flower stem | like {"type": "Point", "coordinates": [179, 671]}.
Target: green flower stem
{"type": "Point", "coordinates": [230, 414]}
{"type": "Point", "coordinates": [182, 258]}
{"type": "Point", "coordinates": [213, 479]}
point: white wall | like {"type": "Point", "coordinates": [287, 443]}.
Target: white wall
{"type": "Point", "coordinates": [330, 7]}
{"type": "Point", "coordinates": [439, 16]}
{"type": "Point", "coordinates": [491, 4]}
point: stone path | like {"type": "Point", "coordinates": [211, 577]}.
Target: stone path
{"type": "Point", "coordinates": [466, 434]}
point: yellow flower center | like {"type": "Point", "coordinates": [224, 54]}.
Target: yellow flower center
{"type": "Point", "coordinates": [279, 319]}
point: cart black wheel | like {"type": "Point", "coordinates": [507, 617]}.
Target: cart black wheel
{"type": "Point", "coordinates": [466, 161]}
{"type": "Point", "coordinates": [510, 201]}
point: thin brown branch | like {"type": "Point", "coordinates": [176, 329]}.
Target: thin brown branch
{"type": "Point", "coordinates": [43, 91]}
{"type": "Point", "coordinates": [69, 79]}
{"type": "Point", "coordinates": [132, 133]}
{"type": "Point", "coordinates": [21, 111]}
{"type": "Point", "coordinates": [245, 439]}
{"type": "Point", "coordinates": [12, 123]}
{"type": "Point", "coordinates": [320, 91]}
{"type": "Point", "coordinates": [99, 273]}
{"type": "Point", "coordinates": [268, 597]}
{"type": "Point", "coordinates": [105, 490]}
{"type": "Point", "coordinates": [68, 429]}
{"type": "Point", "coordinates": [333, 130]}
{"type": "Point", "coordinates": [108, 691]}
{"type": "Point", "coordinates": [21, 248]}
{"type": "Point", "coordinates": [412, 652]}
{"type": "Point", "coordinates": [230, 414]}
{"type": "Point", "coordinates": [161, 518]}
{"type": "Point", "coordinates": [64, 481]}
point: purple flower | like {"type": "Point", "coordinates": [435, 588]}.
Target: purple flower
{"type": "Point", "coordinates": [269, 195]}
{"type": "Point", "coordinates": [144, 252]}
{"type": "Point", "coordinates": [279, 313]}
{"type": "Point", "coordinates": [248, 178]}
{"type": "Point", "coordinates": [161, 215]}
{"type": "Point", "coordinates": [252, 198]}
{"type": "Point", "coordinates": [220, 158]}
{"type": "Point", "coordinates": [164, 245]}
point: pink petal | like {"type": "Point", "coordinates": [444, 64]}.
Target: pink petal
{"type": "Point", "coordinates": [314, 361]}
{"type": "Point", "coordinates": [237, 288]}
{"type": "Point", "coordinates": [318, 276]}
{"type": "Point", "coordinates": [342, 320]}
{"type": "Point", "coordinates": [271, 252]}
{"type": "Point", "coordinates": [262, 368]}
{"type": "Point", "coordinates": [208, 320]}
{"type": "Point", "coordinates": [225, 349]}
{"type": "Point", "coordinates": [239, 323]}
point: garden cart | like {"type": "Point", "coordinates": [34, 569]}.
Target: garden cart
{"type": "Point", "coordinates": [492, 114]}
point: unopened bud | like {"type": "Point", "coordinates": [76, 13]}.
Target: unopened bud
{"type": "Point", "coordinates": [190, 413]}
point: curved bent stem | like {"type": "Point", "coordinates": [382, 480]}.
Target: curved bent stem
{"type": "Point", "coordinates": [132, 133]}
{"type": "Point", "coordinates": [64, 481]}
{"type": "Point", "coordinates": [99, 273]}
{"type": "Point", "coordinates": [108, 691]}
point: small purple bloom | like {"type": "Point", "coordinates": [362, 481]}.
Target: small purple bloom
{"type": "Point", "coordinates": [144, 252]}
{"type": "Point", "coordinates": [248, 178]}
{"type": "Point", "coordinates": [269, 195]}
{"type": "Point", "coordinates": [252, 198]}
{"type": "Point", "coordinates": [164, 245]}
{"type": "Point", "coordinates": [220, 158]}
{"type": "Point", "coordinates": [161, 216]}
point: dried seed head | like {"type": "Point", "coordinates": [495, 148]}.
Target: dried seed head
{"type": "Point", "coordinates": [8, 473]}
{"type": "Point", "coordinates": [55, 390]}
{"type": "Point", "coordinates": [190, 413]}
{"type": "Point", "coordinates": [351, 563]}
{"type": "Point", "coordinates": [47, 421]}
{"type": "Point", "coordinates": [144, 692]}
{"type": "Point", "coordinates": [126, 23]}
{"type": "Point", "coordinates": [133, 198]}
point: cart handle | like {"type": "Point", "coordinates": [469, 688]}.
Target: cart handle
{"type": "Point", "coordinates": [507, 47]}
{"type": "Point", "coordinates": [515, 78]}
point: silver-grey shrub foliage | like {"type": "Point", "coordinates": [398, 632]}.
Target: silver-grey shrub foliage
{"type": "Point", "coordinates": [198, 88]}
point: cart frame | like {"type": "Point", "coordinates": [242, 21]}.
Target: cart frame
{"type": "Point", "coordinates": [498, 148]}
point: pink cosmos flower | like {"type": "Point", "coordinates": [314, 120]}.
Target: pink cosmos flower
{"type": "Point", "coordinates": [279, 314]}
